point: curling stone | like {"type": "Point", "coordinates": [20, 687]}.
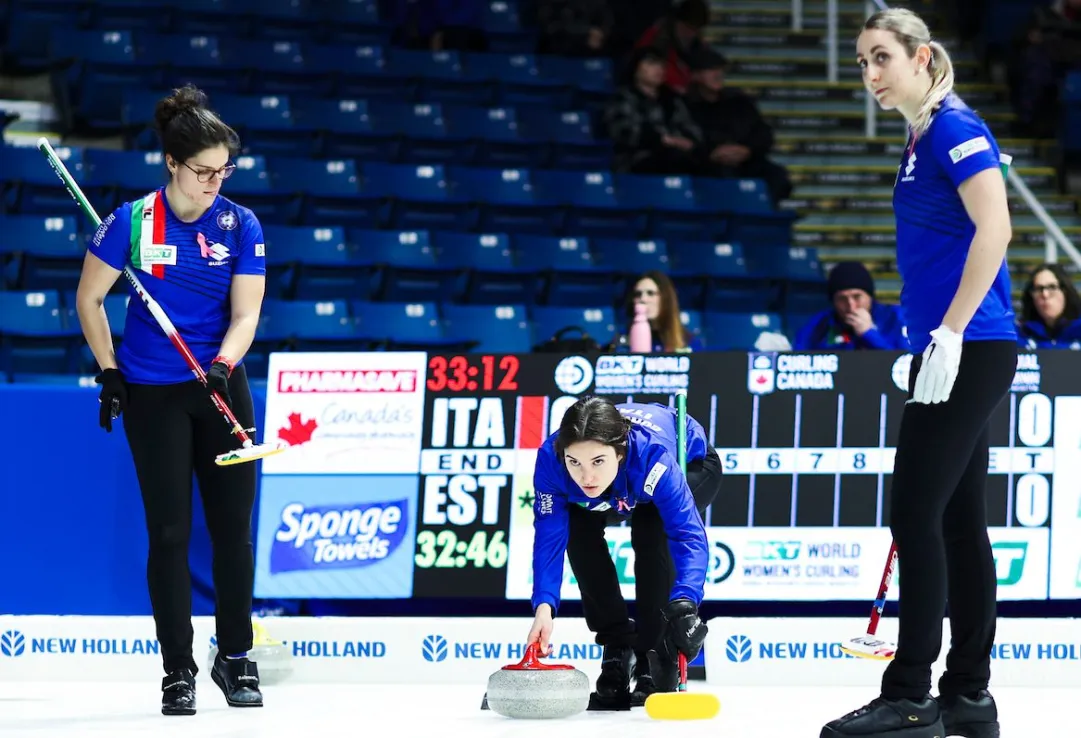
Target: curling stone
{"type": "Point", "coordinates": [532, 690]}
{"type": "Point", "coordinates": [274, 658]}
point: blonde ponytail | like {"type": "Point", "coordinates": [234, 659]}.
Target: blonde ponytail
{"type": "Point", "coordinates": [941, 71]}
{"type": "Point", "coordinates": [912, 32]}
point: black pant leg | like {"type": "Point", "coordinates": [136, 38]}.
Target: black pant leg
{"type": "Point", "coordinates": [972, 583]}
{"type": "Point", "coordinates": [935, 447]}
{"type": "Point", "coordinates": [228, 494]}
{"type": "Point", "coordinates": [654, 571]}
{"type": "Point", "coordinates": [159, 433]}
{"type": "Point", "coordinates": [603, 605]}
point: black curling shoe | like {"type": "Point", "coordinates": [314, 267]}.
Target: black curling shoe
{"type": "Point", "coordinates": [238, 680]}
{"type": "Point", "coordinates": [883, 718]}
{"type": "Point", "coordinates": [970, 716]}
{"type": "Point", "coordinates": [178, 693]}
{"type": "Point", "coordinates": [613, 690]}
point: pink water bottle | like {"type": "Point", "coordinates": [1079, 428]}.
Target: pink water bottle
{"type": "Point", "coordinates": [641, 335]}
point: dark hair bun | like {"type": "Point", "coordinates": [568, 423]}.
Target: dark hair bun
{"type": "Point", "coordinates": [183, 100]}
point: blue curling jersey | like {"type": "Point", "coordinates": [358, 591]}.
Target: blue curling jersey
{"type": "Point", "coordinates": [934, 232]}
{"type": "Point", "coordinates": [188, 269]}
{"type": "Point", "coordinates": [649, 475]}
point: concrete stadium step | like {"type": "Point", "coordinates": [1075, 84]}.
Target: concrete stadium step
{"type": "Point", "coordinates": [779, 65]}
{"type": "Point", "coordinates": [799, 144]}
{"type": "Point", "coordinates": [830, 123]}
{"type": "Point", "coordinates": [859, 159]}
{"type": "Point", "coordinates": [809, 235]}
{"type": "Point", "coordinates": [726, 37]}
{"type": "Point", "coordinates": [842, 221]}
{"type": "Point", "coordinates": [861, 202]}
{"type": "Point", "coordinates": [885, 176]}
{"type": "Point", "coordinates": [975, 94]}
{"type": "Point", "coordinates": [779, 15]}
{"type": "Point", "coordinates": [846, 55]}
{"type": "Point", "coordinates": [989, 111]}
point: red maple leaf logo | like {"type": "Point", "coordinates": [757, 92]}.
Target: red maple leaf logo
{"type": "Point", "coordinates": [297, 432]}
{"type": "Point", "coordinates": [760, 379]}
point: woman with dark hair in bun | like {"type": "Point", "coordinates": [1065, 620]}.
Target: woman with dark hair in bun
{"type": "Point", "coordinates": [201, 257]}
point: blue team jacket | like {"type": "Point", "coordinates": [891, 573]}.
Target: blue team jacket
{"type": "Point", "coordinates": [1034, 335]}
{"type": "Point", "coordinates": [824, 332]}
{"type": "Point", "coordinates": [649, 475]}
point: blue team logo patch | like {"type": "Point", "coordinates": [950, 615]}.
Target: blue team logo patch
{"type": "Point", "coordinates": [227, 220]}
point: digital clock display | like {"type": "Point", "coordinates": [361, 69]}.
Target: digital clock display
{"type": "Point", "coordinates": [474, 373]}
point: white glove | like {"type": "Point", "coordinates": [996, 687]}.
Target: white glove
{"type": "Point", "coordinates": [938, 372]}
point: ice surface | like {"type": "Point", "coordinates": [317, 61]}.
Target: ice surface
{"type": "Point", "coordinates": [427, 711]}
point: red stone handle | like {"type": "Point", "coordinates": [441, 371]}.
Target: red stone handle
{"type": "Point", "coordinates": [532, 661]}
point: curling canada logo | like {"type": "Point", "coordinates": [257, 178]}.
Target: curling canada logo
{"type": "Point", "coordinates": [337, 536]}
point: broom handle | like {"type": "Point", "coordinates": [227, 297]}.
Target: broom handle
{"type": "Point", "coordinates": [681, 455]}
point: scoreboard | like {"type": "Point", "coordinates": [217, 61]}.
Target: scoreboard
{"type": "Point", "coordinates": [410, 474]}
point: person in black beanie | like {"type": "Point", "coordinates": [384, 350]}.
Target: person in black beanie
{"type": "Point", "coordinates": [856, 320]}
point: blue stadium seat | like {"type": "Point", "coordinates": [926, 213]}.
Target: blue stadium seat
{"type": "Point", "coordinates": [504, 68]}
{"type": "Point", "coordinates": [567, 127]}
{"type": "Point", "coordinates": [670, 201]}
{"type": "Point", "coordinates": [31, 246]}
{"type": "Point", "coordinates": [598, 322]}
{"type": "Point", "coordinates": [630, 258]}
{"type": "Point", "coordinates": [327, 190]}
{"type": "Point", "coordinates": [411, 271]}
{"type": "Point", "coordinates": [732, 331]}
{"type": "Point", "coordinates": [715, 276]}
{"type": "Point", "coordinates": [265, 124]}
{"type": "Point", "coordinates": [498, 328]}
{"type": "Point", "coordinates": [479, 93]}
{"type": "Point", "coordinates": [400, 325]}
{"type": "Point", "coordinates": [594, 75]}
{"type": "Point", "coordinates": [251, 184]}
{"type": "Point", "coordinates": [314, 263]}
{"type": "Point", "coordinates": [112, 177]}
{"type": "Point", "coordinates": [692, 321]}
{"type": "Point", "coordinates": [30, 25]}
{"type": "Point", "coordinates": [589, 201]}
{"type": "Point", "coordinates": [53, 251]}
{"type": "Point", "coordinates": [505, 199]}
{"type": "Point", "coordinates": [116, 310]}
{"type": "Point", "coordinates": [419, 194]}
{"type": "Point", "coordinates": [486, 261]}
{"type": "Point", "coordinates": [337, 116]}
{"type": "Point", "coordinates": [278, 66]}
{"type": "Point", "coordinates": [306, 325]}
{"type": "Point", "coordinates": [417, 65]}
{"type": "Point", "coordinates": [475, 122]}
{"type": "Point", "coordinates": [501, 16]}
{"type": "Point", "coordinates": [32, 185]}
{"type": "Point", "coordinates": [35, 336]}
{"type": "Point", "coordinates": [565, 269]}
{"type": "Point", "coordinates": [751, 216]}
{"type": "Point", "coordinates": [798, 274]}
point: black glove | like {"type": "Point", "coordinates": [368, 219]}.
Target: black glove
{"type": "Point", "coordinates": [685, 632]}
{"type": "Point", "coordinates": [113, 397]}
{"type": "Point", "coordinates": [217, 379]}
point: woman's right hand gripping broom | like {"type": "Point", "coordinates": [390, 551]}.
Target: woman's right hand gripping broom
{"type": "Point", "coordinates": [541, 632]}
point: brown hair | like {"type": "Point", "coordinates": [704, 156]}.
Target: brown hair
{"type": "Point", "coordinates": [669, 328]}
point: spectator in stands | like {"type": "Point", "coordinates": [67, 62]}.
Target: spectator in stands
{"type": "Point", "coordinates": [650, 126]}
{"type": "Point", "coordinates": [574, 27]}
{"type": "Point", "coordinates": [737, 138]}
{"type": "Point", "coordinates": [655, 290]}
{"type": "Point", "coordinates": [1050, 310]}
{"type": "Point", "coordinates": [439, 25]}
{"type": "Point", "coordinates": [1051, 46]}
{"type": "Point", "coordinates": [678, 36]}
{"type": "Point", "coordinates": [856, 320]}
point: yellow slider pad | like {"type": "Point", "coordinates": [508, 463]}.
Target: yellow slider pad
{"type": "Point", "coordinates": [682, 706]}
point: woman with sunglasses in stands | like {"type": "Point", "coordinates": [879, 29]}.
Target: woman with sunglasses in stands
{"type": "Point", "coordinates": [1050, 311]}
{"type": "Point", "coordinates": [201, 256]}
{"type": "Point", "coordinates": [654, 290]}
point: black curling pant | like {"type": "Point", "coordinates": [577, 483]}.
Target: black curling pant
{"type": "Point", "coordinates": [603, 605]}
{"type": "Point", "coordinates": [938, 516]}
{"type": "Point", "coordinates": [174, 430]}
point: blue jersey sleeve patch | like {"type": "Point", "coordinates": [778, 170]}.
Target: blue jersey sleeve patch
{"type": "Point", "coordinates": [112, 241]}
{"type": "Point", "coordinates": [252, 256]}
{"type": "Point", "coordinates": [963, 146]}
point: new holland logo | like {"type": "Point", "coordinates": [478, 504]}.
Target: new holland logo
{"type": "Point", "coordinates": [434, 648]}
{"type": "Point", "coordinates": [12, 643]}
{"type": "Point", "coordinates": [761, 373]}
{"type": "Point", "coordinates": [738, 649]}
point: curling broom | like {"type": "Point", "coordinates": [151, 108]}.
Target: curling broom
{"type": "Point", "coordinates": [249, 450]}
{"type": "Point", "coordinates": [681, 704]}
{"type": "Point", "coordinates": [869, 645]}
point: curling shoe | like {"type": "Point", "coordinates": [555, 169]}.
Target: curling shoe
{"type": "Point", "coordinates": [885, 718]}
{"type": "Point", "coordinates": [614, 683]}
{"type": "Point", "coordinates": [178, 693]}
{"type": "Point", "coordinates": [970, 716]}
{"type": "Point", "coordinates": [238, 680]}
{"type": "Point", "coordinates": [643, 680]}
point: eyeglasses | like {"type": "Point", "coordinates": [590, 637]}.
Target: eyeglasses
{"type": "Point", "coordinates": [645, 293]}
{"type": "Point", "coordinates": [205, 175]}
{"type": "Point", "coordinates": [1040, 289]}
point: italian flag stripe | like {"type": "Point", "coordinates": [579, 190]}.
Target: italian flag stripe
{"type": "Point", "coordinates": [158, 270]}
{"type": "Point", "coordinates": [136, 234]}
{"type": "Point", "coordinates": [147, 231]}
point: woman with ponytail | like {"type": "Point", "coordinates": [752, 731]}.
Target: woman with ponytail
{"type": "Point", "coordinates": [953, 229]}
